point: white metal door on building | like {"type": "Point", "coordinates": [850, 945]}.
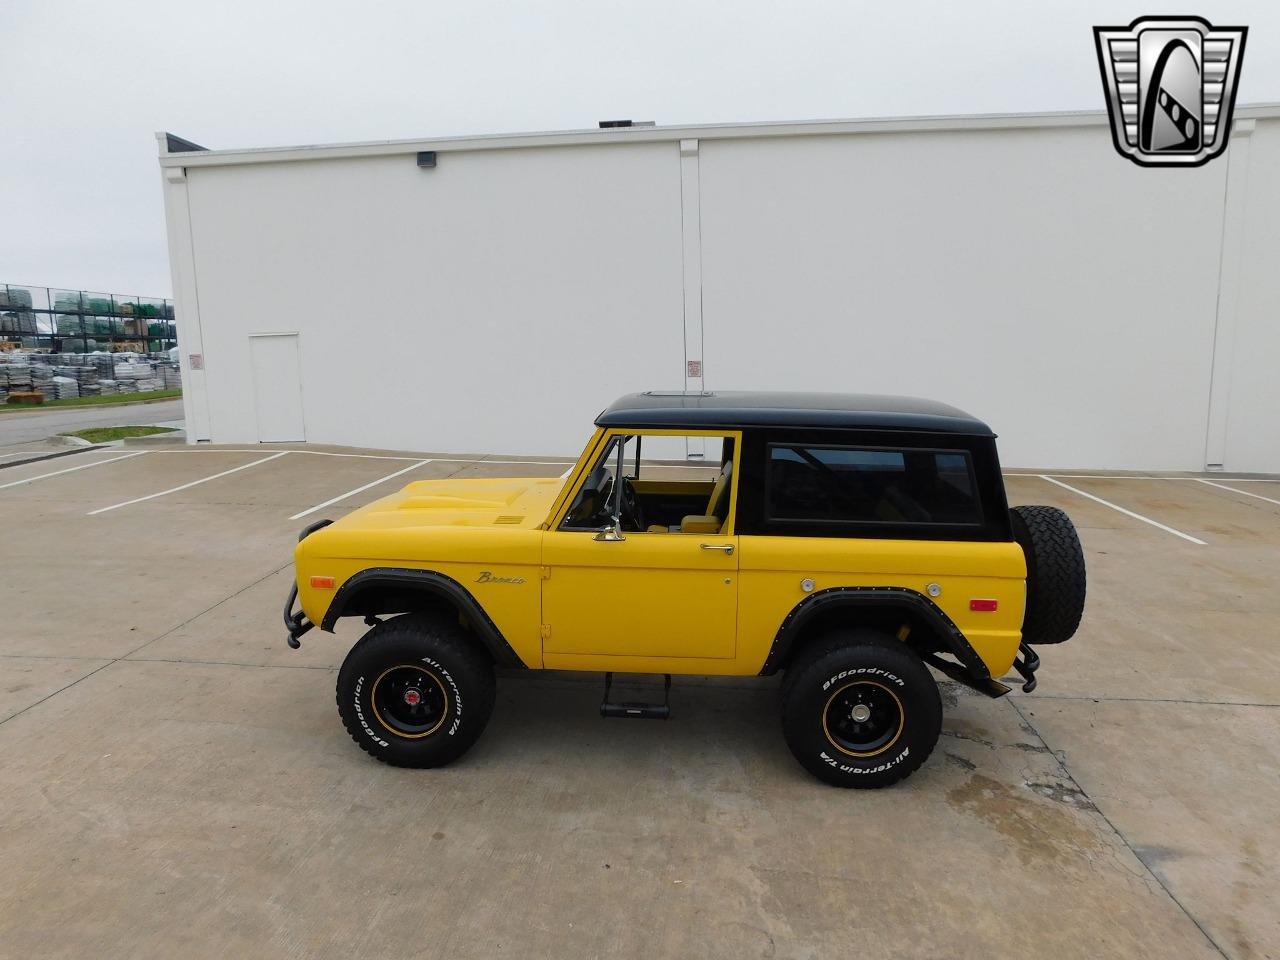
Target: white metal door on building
{"type": "Point", "coordinates": [277, 387]}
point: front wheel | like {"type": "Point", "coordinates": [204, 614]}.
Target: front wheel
{"type": "Point", "coordinates": [416, 691]}
{"type": "Point", "coordinates": [861, 710]}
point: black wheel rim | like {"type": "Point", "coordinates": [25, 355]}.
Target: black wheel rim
{"type": "Point", "coordinates": [863, 719]}
{"type": "Point", "coordinates": [409, 700]}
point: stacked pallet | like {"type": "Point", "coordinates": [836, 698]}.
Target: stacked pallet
{"type": "Point", "coordinates": [16, 315]}
{"type": "Point", "coordinates": [17, 322]}
{"type": "Point", "coordinates": [42, 381]}
{"type": "Point", "coordinates": [61, 375]}
{"type": "Point", "coordinates": [124, 370]}
{"type": "Point", "coordinates": [19, 375]}
{"type": "Point", "coordinates": [103, 363]}
{"type": "Point", "coordinates": [80, 373]}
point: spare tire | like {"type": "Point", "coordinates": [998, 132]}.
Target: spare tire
{"type": "Point", "coordinates": [1055, 573]}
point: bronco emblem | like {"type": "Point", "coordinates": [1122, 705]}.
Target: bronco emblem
{"type": "Point", "coordinates": [487, 577]}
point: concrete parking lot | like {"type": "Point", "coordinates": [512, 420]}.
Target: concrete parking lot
{"type": "Point", "coordinates": [176, 781]}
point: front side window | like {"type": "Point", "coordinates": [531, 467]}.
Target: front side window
{"type": "Point", "coordinates": [820, 484]}
{"type": "Point", "coordinates": [593, 506]}
{"type": "Point", "coordinates": [657, 483]}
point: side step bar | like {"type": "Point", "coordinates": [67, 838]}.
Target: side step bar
{"type": "Point", "coordinates": [637, 711]}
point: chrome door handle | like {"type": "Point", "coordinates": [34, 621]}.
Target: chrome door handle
{"type": "Point", "coordinates": [726, 547]}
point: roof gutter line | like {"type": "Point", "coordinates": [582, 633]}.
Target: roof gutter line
{"type": "Point", "coordinates": [195, 156]}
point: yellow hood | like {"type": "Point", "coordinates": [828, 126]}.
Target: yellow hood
{"type": "Point", "coordinates": [487, 502]}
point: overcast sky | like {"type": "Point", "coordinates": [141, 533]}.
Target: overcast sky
{"type": "Point", "coordinates": [83, 85]}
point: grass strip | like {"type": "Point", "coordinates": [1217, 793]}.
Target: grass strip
{"type": "Point", "coordinates": [107, 434]}
{"type": "Point", "coordinates": [92, 401]}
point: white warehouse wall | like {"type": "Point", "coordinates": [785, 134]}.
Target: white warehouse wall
{"type": "Point", "coordinates": [1098, 315]}
{"type": "Point", "coordinates": [1251, 363]}
{"type": "Point", "coordinates": [1030, 277]}
{"type": "Point", "coordinates": [466, 308]}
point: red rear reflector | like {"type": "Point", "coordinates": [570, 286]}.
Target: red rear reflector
{"type": "Point", "coordinates": [983, 606]}
{"type": "Point", "coordinates": [322, 583]}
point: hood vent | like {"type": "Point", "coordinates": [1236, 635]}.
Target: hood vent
{"type": "Point", "coordinates": [507, 519]}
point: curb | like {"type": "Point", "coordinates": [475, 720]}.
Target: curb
{"type": "Point", "coordinates": [54, 456]}
{"type": "Point", "coordinates": [177, 437]}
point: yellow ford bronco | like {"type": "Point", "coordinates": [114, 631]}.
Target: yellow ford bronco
{"type": "Point", "coordinates": [849, 542]}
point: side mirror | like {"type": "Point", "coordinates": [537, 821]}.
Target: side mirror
{"type": "Point", "coordinates": [610, 534]}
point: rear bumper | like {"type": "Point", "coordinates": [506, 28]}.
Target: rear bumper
{"type": "Point", "coordinates": [1026, 663]}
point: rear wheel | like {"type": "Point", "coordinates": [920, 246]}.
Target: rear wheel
{"type": "Point", "coordinates": [861, 710]}
{"type": "Point", "coordinates": [416, 691]}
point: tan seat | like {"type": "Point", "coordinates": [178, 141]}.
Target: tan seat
{"type": "Point", "coordinates": [697, 523]}
{"type": "Point", "coordinates": [717, 506]}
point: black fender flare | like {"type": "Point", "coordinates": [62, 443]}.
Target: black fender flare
{"type": "Point", "coordinates": [862, 598]}
{"type": "Point", "coordinates": [435, 584]}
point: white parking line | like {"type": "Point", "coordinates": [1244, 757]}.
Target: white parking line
{"type": "Point", "coordinates": [352, 493]}
{"type": "Point", "coordinates": [193, 483]}
{"type": "Point", "coordinates": [83, 466]}
{"type": "Point", "coordinates": [1115, 476]}
{"type": "Point", "coordinates": [1127, 513]}
{"type": "Point", "coordinates": [1243, 493]}
{"type": "Point", "coordinates": [533, 463]}
{"type": "Point", "coordinates": [326, 453]}
{"type": "Point", "coordinates": [201, 448]}
{"type": "Point", "coordinates": [567, 462]}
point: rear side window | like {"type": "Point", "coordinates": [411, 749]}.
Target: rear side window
{"type": "Point", "coordinates": [812, 483]}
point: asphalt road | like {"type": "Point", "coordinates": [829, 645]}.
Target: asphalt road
{"type": "Point", "coordinates": [27, 426]}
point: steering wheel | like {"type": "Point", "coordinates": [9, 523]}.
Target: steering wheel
{"type": "Point", "coordinates": [631, 514]}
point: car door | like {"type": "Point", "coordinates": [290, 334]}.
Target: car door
{"type": "Point", "coordinates": [623, 604]}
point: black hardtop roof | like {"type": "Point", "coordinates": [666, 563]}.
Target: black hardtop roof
{"type": "Point", "coordinates": [724, 408]}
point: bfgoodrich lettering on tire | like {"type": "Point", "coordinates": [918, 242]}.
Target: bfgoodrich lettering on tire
{"type": "Point", "coordinates": [416, 691]}
{"type": "Point", "coordinates": [860, 710]}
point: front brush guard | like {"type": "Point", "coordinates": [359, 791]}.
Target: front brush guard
{"type": "Point", "coordinates": [296, 622]}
